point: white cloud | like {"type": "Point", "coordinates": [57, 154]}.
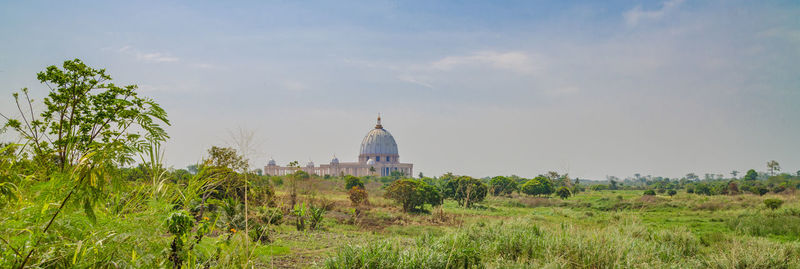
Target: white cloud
{"type": "Point", "coordinates": [413, 80]}
{"type": "Point", "coordinates": [155, 57]}
{"type": "Point", "coordinates": [635, 15]}
{"type": "Point", "coordinates": [148, 57]}
{"type": "Point", "coordinates": [515, 61]}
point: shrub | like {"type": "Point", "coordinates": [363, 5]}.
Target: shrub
{"type": "Point", "coordinates": [316, 214]}
{"type": "Point", "coordinates": [649, 192]}
{"type": "Point", "coordinates": [357, 195]}
{"type": "Point", "coordinates": [563, 192]}
{"type": "Point", "coordinates": [352, 181]}
{"type": "Point", "coordinates": [672, 192]}
{"type": "Point", "coordinates": [761, 191]}
{"type": "Point", "coordinates": [179, 224]}
{"type": "Point", "coordinates": [300, 213]}
{"type": "Point", "coordinates": [466, 190]}
{"type": "Point", "coordinates": [412, 194]}
{"type": "Point", "coordinates": [773, 203]}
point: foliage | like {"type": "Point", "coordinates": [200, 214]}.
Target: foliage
{"type": "Point", "coordinates": [563, 192]}
{"type": "Point", "coordinates": [412, 194]}
{"type": "Point", "coordinates": [672, 192]}
{"type": "Point", "coordinates": [649, 192]}
{"type": "Point", "coordinates": [315, 214]}
{"type": "Point", "coordinates": [501, 185]}
{"type": "Point", "coordinates": [179, 225]}
{"type": "Point", "coordinates": [352, 181]}
{"type": "Point", "coordinates": [466, 190]}
{"type": "Point", "coordinates": [538, 186]}
{"type": "Point", "coordinates": [751, 175]}
{"type": "Point", "coordinates": [357, 195]}
{"type": "Point", "coordinates": [84, 112]}
{"type": "Point", "coordinates": [300, 213]}
{"type": "Point", "coordinates": [773, 203]}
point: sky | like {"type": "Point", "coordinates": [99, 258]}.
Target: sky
{"type": "Point", "coordinates": [482, 88]}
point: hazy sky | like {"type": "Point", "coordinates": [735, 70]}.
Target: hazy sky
{"type": "Point", "coordinates": [592, 88]}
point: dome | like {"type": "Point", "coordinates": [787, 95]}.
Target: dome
{"type": "Point", "coordinates": [335, 160]}
{"type": "Point", "coordinates": [371, 162]}
{"type": "Point", "coordinates": [378, 141]}
{"type": "Point", "coordinates": [271, 162]}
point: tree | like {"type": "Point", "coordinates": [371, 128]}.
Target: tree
{"type": "Point", "coordinates": [563, 192]}
{"type": "Point", "coordinates": [85, 112]}
{"type": "Point", "coordinates": [734, 173]}
{"type": "Point", "coordinates": [352, 181]}
{"type": "Point", "coordinates": [501, 185]}
{"type": "Point", "coordinates": [421, 175]}
{"type": "Point", "coordinates": [294, 178]}
{"type": "Point", "coordinates": [539, 185]}
{"type": "Point", "coordinates": [692, 176]}
{"type": "Point", "coordinates": [751, 175]}
{"type": "Point", "coordinates": [773, 167]}
{"type": "Point", "coordinates": [649, 192]}
{"type": "Point", "coordinates": [466, 190]}
{"type": "Point", "coordinates": [87, 127]}
{"type": "Point", "coordinates": [412, 194]}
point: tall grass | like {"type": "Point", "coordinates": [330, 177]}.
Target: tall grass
{"type": "Point", "coordinates": [523, 244]}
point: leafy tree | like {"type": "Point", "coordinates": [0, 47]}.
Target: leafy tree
{"type": "Point", "coordinates": [412, 194]}
{"type": "Point", "coordinates": [501, 185]}
{"type": "Point", "coordinates": [751, 175]}
{"type": "Point", "coordinates": [85, 112]}
{"type": "Point", "coordinates": [773, 167]}
{"type": "Point", "coordinates": [89, 126]}
{"type": "Point", "coordinates": [702, 189]}
{"type": "Point", "coordinates": [352, 181]}
{"type": "Point", "coordinates": [649, 192]}
{"type": "Point", "coordinates": [466, 190]}
{"type": "Point", "coordinates": [563, 192]}
{"type": "Point", "coordinates": [538, 186]}
{"type": "Point", "coordinates": [734, 173]}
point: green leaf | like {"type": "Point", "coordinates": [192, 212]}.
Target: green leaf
{"type": "Point", "coordinates": [89, 210]}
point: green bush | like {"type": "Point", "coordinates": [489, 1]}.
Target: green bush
{"type": "Point", "coordinates": [649, 192]}
{"type": "Point", "coordinates": [352, 181]}
{"type": "Point", "coordinates": [563, 192]}
{"type": "Point", "coordinates": [773, 203]}
{"type": "Point", "coordinates": [672, 192]}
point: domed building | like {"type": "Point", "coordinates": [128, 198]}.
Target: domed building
{"type": "Point", "coordinates": [378, 156]}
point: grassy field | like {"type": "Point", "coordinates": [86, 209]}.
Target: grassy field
{"type": "Point", "coordinates": [595, 229]}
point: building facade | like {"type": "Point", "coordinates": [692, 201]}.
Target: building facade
{"type": "Point", "coordinates": [378, 157]}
